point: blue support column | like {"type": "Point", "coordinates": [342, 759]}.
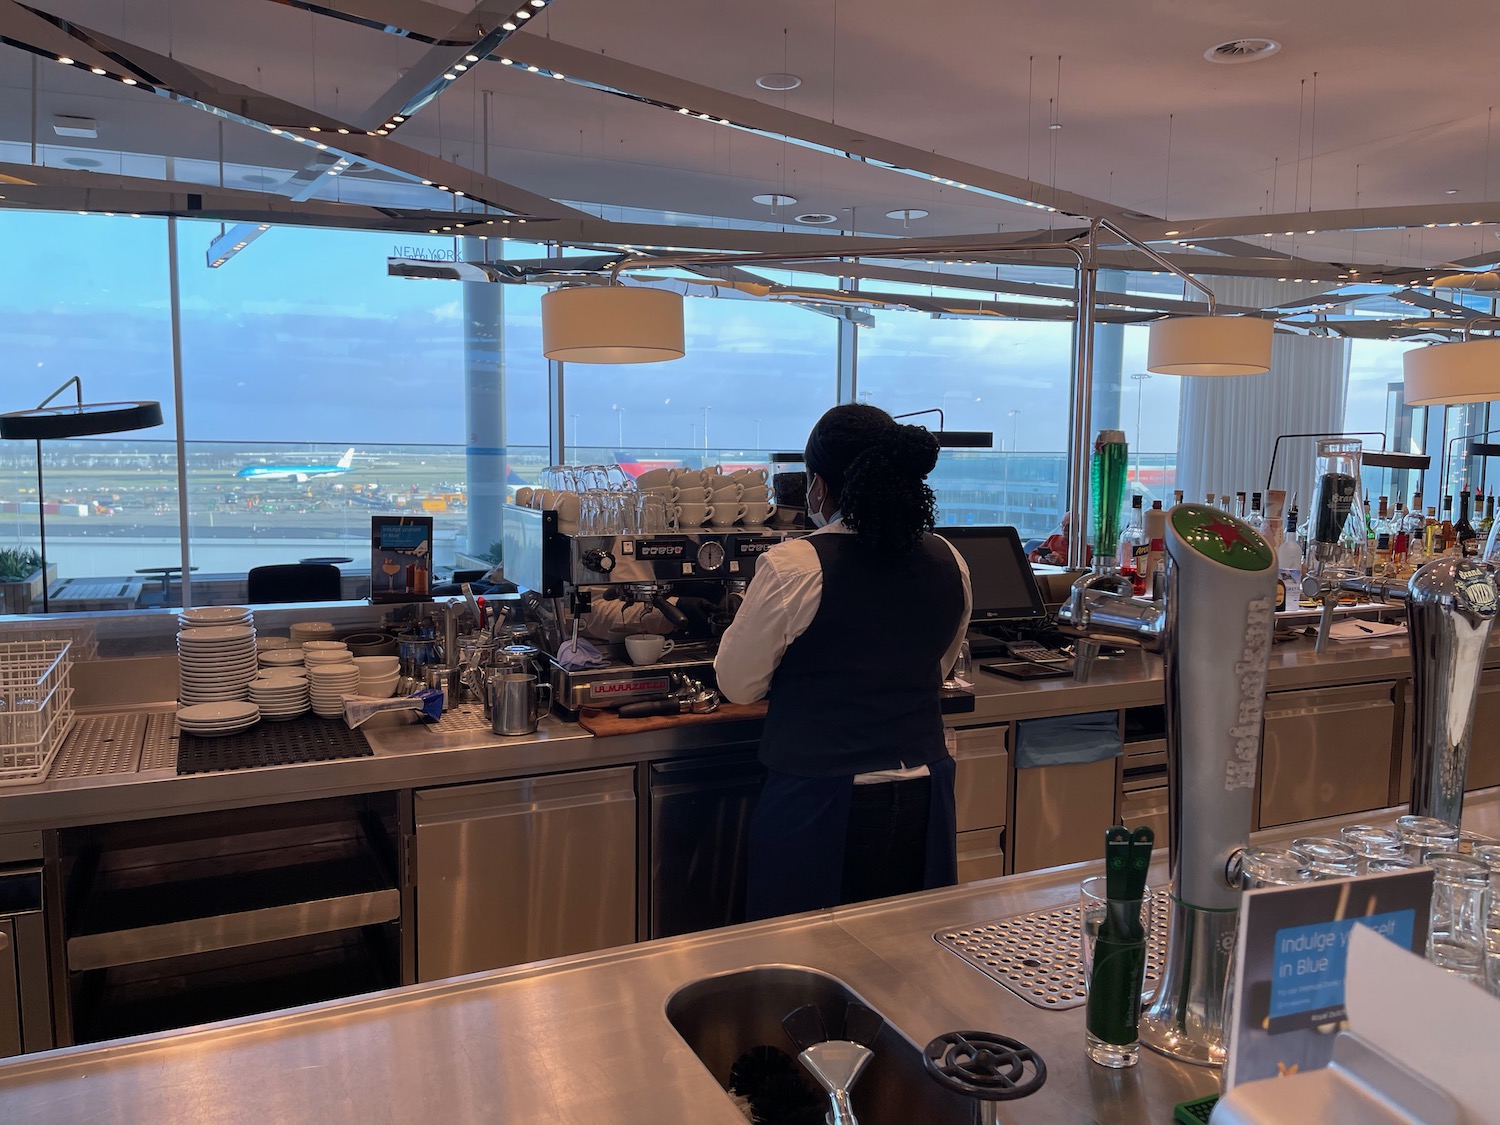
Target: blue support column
{"type": "Point", "coordinates": [486, 459]}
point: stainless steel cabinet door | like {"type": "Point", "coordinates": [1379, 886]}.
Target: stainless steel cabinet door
{"type": "Point", "coordinates": [1484, 743]}
{"type": "Point", "coordinates": [1327, 751]}
{"type": "Point", "coordinates": [982, 769]}
{"type": "Point", "coordinates": [516, 871]}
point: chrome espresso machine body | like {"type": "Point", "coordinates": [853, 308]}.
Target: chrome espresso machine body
{"type": "Point", "coordinates": [574, 575]}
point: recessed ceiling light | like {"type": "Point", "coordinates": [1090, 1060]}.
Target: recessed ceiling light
{"type": "Point", "coordinates": [774, 200]}
{"type": "Point", "coordinates": [778, 81]}
{"type": "Point", "coordinates": [1055, 125]}
{"type": "Point", "coordinates": [1249, 49]}
{"type": "Point", "coordinates": [83, 162]}
{"type": "Point", "coordinates": [813, 219]}
{"type": "Point", "coordinates": [66, 125]}
{"type": "Point", "coordinates": [258, 178]}
{"type": "Point", "coordinates": [1170, 233]}
{"type": "Point", "coordinates": [1450, 191]}
{"type": "Point", "coordinates": [906, 213]}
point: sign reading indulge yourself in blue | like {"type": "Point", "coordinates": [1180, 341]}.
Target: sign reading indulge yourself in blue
{"type": "Point", "coordinates": [1307, 971]}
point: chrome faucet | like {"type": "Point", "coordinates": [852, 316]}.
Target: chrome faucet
{"type": "Point", "coordinates": [1450, 611]}
{"type": "Point", "coordinates": [1214, 631]}
{"type": "Point", "coordinates": [1101, 607]}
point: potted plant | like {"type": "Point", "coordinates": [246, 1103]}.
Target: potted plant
{"type": "Point", "coordinates": [21, 578]}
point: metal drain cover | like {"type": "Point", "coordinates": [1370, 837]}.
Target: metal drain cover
{"type": "Point", "coordinates": [1038, 957]}
{"type": "Point", "coordinates": [271, 744]}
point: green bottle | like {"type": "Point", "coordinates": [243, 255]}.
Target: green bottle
{"type": "Point", "coordinates": [1110, 468]}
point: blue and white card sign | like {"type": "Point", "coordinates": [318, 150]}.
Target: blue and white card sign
{"type": "Point", "coordinates": [1290, 958]}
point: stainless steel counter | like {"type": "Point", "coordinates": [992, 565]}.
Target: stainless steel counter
{"type": "Point", "coordinates": [459, 751]}
{"type": "Point", "coordinates": [586, 1039]}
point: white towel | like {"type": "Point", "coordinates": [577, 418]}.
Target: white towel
{"type": "Point", "coordinates": [1350, 630]}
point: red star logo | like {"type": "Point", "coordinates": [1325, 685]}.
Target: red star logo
{"type": "Point", "coordinates": [1228, 534]}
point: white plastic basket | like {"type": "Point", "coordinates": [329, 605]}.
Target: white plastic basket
{"type": "Point", "coordinates": [80, 633]}
{"type": "Point", "coordinates": [36, 713]}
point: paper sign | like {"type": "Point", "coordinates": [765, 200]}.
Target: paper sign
{"type": "Point", "coordinates": [1290, 958]}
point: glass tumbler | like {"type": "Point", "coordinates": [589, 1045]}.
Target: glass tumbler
{"type": "Point", "coordinates": [1111, 1035]}
{"type": "Point", "coordinates": [1271, 867]}
{"type": "Point", "coordinates": [1489, 855]}
{"type": "Point", "coordinates": [1419, 833]}
{"type": "Point", "coordinates": [1456, 938]}
{"type": "Point", "coordinates": [1326, 859]}
{"type": "Point", "coordinates": [1371, 844]}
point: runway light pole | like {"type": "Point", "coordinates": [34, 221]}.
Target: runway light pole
{"type": "Point", "coordinates": [619, 423]}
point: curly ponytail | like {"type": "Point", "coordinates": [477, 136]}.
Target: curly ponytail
{"type": "Point", "coordinates": [876, 470]}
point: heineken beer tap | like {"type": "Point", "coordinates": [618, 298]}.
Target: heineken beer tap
{"type": "Point", "coordinates": [1221, 600]}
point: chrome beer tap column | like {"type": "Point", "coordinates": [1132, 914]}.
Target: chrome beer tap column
{"type": "Point", "coordinates": [1221, 603]}
{"type": "Point", "coordinates": [1450, 609]}
{"type": "Point", "coordinates": [1336, 533]}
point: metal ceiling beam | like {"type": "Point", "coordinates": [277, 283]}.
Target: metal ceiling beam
{"type": "Point", "coordinates": [165, 77]}
{"type": "Point", "coordinates": [1301, 224]}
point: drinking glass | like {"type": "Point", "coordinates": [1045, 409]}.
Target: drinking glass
{"type": "Point", "coordinates": [1120, 1018]}
{"type": "Point", "coordinates": [1419, 833]}
{"type": "Point", "coordinates": [1371, 843]}
{"type": "Point", "coordinates": [1326, 859]}
{"type": "Point", "coordinates": [1456, 938]}
{"type": "Point", "coordinates": [1489, 855]}
{"type": "Point", "coordinates": [1271, 867]}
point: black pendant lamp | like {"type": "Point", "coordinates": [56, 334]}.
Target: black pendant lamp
{"type": "Point", "coordinates": [76, 420]}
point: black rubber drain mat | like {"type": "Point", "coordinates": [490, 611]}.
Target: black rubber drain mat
{"type": "Point", "coordinates": [309, 739]}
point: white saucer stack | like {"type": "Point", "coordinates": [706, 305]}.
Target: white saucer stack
{"type": "Point", "coordinates": [327, 686]}
{"type": "Point", "coordinates": [207, 616]}
{"type": "Point", "coordinates": [303, 631]}
{"type": "Point", "coordinates": [281, 658]}
{"type": "Point", "coordinates": [214, 720]}
{"type": "Point", "coordinates": [215, 662]}
{"type": "Point", "coordinates": [280, 693]}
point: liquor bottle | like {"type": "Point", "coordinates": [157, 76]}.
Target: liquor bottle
{"type": "Point", "coordinates": [1176, 497]}
{"type": "Point", "coordinates": [1289, 562]}
{"type": "Point", "coordinates": [1399, 540]}
{"type": "Point", "coordinates": [1134, 547]}
{"type": "Point", "coordinates": [1239, 505]}
{"type": "Point", "coordinates": [1256, 518]}
{"type": "Point", "coordinates": [1380, 564]}
{"type": "Point", "coordinates": [1156, 550]}
{"type": "Point", "coordinates": [1432, 534]}
{"type": "Point", "coordinates": [1489, 517]}
{"type": "Point", "coordinates": [1211, 500]}
{"type": "Point", "coordinates": [1226, 502]}
{"type": "Point", "coordinates": [1463, 531]}
{"type": "Point", "coordinates": [1450, 538]}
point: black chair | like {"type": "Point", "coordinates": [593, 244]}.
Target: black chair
{"type": "Point", "coordinates": [295, 582]}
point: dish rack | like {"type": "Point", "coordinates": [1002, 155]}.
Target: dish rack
{"type": "Point", "coordinates": [36, 712]}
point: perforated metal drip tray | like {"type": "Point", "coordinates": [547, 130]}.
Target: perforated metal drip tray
{"type": "Point", "coordinates": [308, 739]}
{"type": "Point", "coordinates": [1039, 957]}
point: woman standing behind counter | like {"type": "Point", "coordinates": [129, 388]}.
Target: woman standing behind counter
{"type": "Point", "coordinates": [848, 633]}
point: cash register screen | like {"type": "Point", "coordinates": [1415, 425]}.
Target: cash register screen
{"type": "Point", "coordinates": [1004, 586]}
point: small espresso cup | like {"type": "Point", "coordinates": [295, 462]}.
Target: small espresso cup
{"type": "Point", "coordinates": [714, 480]}
{"type": "Point", "coordinates": [757, 514]}
{"type": "Point", "coordinates": [669, 493]}
{"type": "Point", "coordinates": [749, 477]}
{"type": "Point", "coordinates": [687, 478]}
{"type": "Point", "coordinates": [693, 515]}
{"type": "Point", "coordinates": [727, 494]}
{"type": "Point", "coordinates": [755, 494]}
{"type": "Point", "coordinates": [646, 648]}
{"type": "Point", "coordinates": [654, 478]}
{"type": "Point", "coordinates": [722, 515]}
{"type": "Point", "coordinates": [566, 505]}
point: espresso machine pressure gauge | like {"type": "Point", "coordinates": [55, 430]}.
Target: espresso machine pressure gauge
{"type": "Point", "coordinates": [711, 555]}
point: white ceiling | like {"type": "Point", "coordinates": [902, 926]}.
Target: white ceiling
{"type": "Point", "coordinates": [1394, 93]}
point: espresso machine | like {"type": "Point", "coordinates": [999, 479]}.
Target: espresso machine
{"type": "Point", "coordinates": [1214, 631]}
{"type": "Point", "coordinates": [573, 575]}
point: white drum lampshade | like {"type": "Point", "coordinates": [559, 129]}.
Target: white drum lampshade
{"type": "Point", "coordinates": [1467, 371]}
{"type": "Point", "coordinates": [611, 324]}
{"type": "Point", "coordinates": [1209, 345]}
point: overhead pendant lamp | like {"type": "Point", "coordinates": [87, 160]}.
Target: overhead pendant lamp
{"type": "Point", "coordinates": [612, 324]}
{"type": "Point", "coordinates": [1463, 371]}
{"type": "Point", "coordinates": [78, 419]}
{"type": "Point", "coordinates": [1209, 345]}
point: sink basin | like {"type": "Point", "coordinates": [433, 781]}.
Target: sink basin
{"type": "Point", "coordinates": [722, 1017]}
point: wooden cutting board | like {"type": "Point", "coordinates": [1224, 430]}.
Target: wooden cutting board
{"type": "Point", "coordinates": [606, 723]}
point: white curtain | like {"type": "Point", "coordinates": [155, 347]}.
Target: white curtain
{"type": "Point", "coordinates": [1227, 425]}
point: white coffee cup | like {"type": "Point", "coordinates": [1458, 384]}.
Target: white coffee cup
{"type": "Point", "coordinates": [722, 515]}
{"type": "Point", "coordinates": [646, 648]}
{"type": "Point", "coordinates": [669, 493]}
{"type": "Point", "coordinates": [693, 494]}
{"type": "Point", "coordinates": [714, 480]}
{"type": "Point", "coordinates": [727, 494]}
{"type": "Point", "coordinates": [566, 505]}
{"type": "Point", "coordinates": [654, 478]}
{"type": "Point", "coordinates": [692, 515]}
{"type": "Point", "coordinates": [755, 494]}
{"type": "Point", "coordinates": [756, 514]}
{"type": "Point", "coordinates": [541, 498]}
{"type": "Point", "coordinates": [523, 496]}
{"type": "Point", "coordinates": [749, 477]}
{"type": "Point", "coordinates": [687, 478]}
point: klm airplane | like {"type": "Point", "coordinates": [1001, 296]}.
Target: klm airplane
{"type": "Point", "coordinates": [299, 473]}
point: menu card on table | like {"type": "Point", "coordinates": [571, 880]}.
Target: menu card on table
{"type": "Point", "coordinates": [1290, 955]}
{"type": "Point", "coordinates": [400, 558]}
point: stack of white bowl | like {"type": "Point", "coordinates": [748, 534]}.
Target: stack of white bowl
{"type": "Point", "coordinates": [280, 693]}
{"type": "Point", "coordinates": [214, 720]}
{"type": "Point", "coordinates": [377, 675]}
{"type": "Point", "coordinates": [215, 662]}
{"type": "Point", "coordinates": [328, 683]}
{"type": "Point", "coordinates": [206, 616]}
{"type": "Point", "coordinates": [304, 631]}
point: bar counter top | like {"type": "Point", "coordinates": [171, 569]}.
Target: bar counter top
{"type": "Point", "coordinates": [462, 749]}
{"type": "Point", "coordinates": [587, 1040]}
